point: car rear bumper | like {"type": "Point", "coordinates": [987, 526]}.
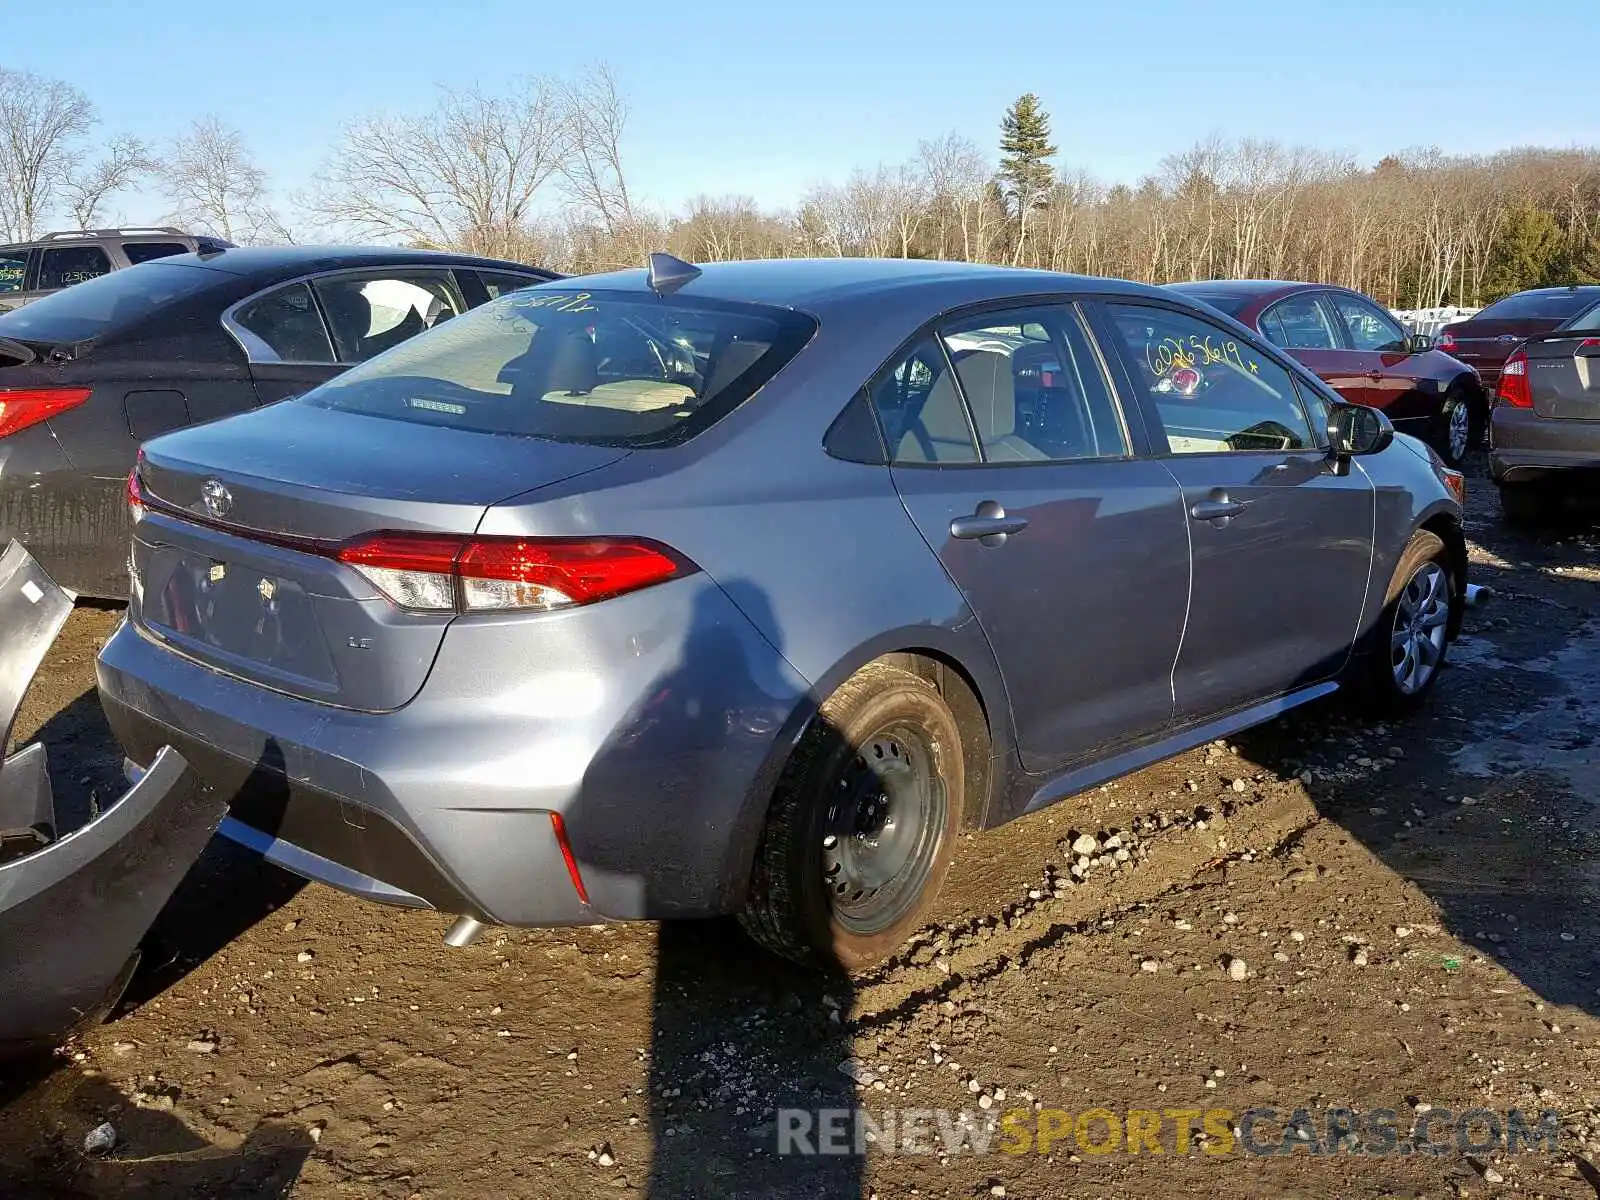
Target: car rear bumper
{"type": "Point", "coordinates": [1528, 448]}
{"type": "Point", "coordinates": [650, 726]}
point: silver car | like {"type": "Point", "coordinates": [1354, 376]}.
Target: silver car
{"type": "Point", "coordinates": [684, 592]}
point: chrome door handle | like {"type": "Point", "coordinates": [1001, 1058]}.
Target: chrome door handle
{"type": "Point", "coordinates": [1212, 510]}
{"type": "Point", "coordinates": [989, 526]}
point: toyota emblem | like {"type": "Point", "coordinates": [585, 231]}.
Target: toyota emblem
{"type": "Point", "coordinates": [218, 499]}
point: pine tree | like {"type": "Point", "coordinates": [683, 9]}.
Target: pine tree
{"type": "Point", "coordinates": [1529, 253]}
{"type": "Point", "coordinates": [1586, 262]}
{"type": "Point", "coordinates": [1025, 153]}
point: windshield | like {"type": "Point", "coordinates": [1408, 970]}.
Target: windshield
{"type": "Point", "coordinates": [1536, 306]}
{"type": "Point", "coordinates": [98, 306]}
{"type": "Point", "coordinates": [611, 368]}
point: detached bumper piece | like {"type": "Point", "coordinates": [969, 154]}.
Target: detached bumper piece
{"type": "Point", "coordinates": [74, 907]}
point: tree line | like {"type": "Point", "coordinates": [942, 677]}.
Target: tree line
{"type": "Point", "coordinates": [536, 172]}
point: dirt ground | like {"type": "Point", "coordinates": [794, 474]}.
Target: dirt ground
{"type": "Point", "coordinates": [1321, 915]}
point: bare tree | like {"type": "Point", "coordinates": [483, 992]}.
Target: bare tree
{"type": "Point", "coordinates": [86, 187]}
{"type": "Point", "coordinates": [465, 173]}
{"type": "Point", "coordinates": [597, 117]}
{"type": "Point", "coordinates": [212, 179]}
{"type": "Point", "coordinates": [43, 123]}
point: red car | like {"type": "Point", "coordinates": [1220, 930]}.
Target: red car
{"type": "Point", "coordinates": [1358, 347]}
{"type": "Point", "coordinates": [1486, 339]}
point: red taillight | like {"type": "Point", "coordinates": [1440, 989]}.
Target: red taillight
{"type": "Point", "coordinates": [22, 407]}
{"type": "Point", "coordinates": [1513, 389]}
{"type": "Point", "coordinates": [1588, 343]}
{"type": "Point", "coordinates": [440, 573]}
{"type": "Point", "coordinates": [1446, 342]}
{"type": "Point", "coordinates": [135, 493]}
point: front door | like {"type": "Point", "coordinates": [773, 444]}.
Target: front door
{"type": "Point", "coordinates": [1281, 539]}
{"type": "Point", "coordinates": [1015, 463]}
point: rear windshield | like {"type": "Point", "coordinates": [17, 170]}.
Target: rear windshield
{"type": "Point", "coordinates": [1536, 306]}
{"type": "Point", "coordinates": [107, 303]}
{"type": "Point", "coordinates": [1585, 322]}
{"type": "Point", "coordinates": [1221, 301]}
{"type": "Point", "coordinates": [610, 368]}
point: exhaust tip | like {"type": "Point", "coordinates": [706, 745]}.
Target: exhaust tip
{"type": "Point", "coordinates": [463, 932]}
{"type": "Point", "coordinates": [1478, 595]}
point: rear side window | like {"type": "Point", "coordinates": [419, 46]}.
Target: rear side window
{"type": "Point", "coordinates": [610, 368]}
{"type": "Point", "coordinates": [13, 270]}
{"type": "Point", "coordinates": [920, 410]}
{"type": "Point", "coordinates": [1298, 323]}
{"type": "Point", "coordinates": [65, 266]}
{"type": "Point", "coordinates": [107, 304]}
{"type": "Point", "coordinates": [286, 325]}
{"type": "Point", "coordinates": [139, 252]}
{"type": "Point", "coordinates": [1536, 306]}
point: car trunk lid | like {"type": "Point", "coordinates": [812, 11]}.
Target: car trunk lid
{"type": "Point", "coordinates": [1564, 376]}
{"type": "Point", "coordinates": [234, 559]}
{"type": "Point", "coordinates": [1487, 344]}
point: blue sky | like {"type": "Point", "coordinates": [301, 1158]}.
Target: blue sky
{"type": "Point", "coordinates": [766, 99]}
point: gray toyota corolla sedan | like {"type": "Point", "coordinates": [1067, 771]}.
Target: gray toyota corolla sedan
{"type": "Point", "coordinates": [683, 592]}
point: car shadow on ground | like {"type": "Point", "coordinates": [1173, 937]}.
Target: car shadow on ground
{"type": "Point", "coordinates": [152, 1154]}
{"type": "Point", "coordinates": [1492, 806]}
{"type": "Point", "coordinates": [743, 1044]}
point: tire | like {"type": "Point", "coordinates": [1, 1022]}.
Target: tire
{"type": "Point", "coordinates": [877, 776]}
{"type": "Point", "coordinates": [1523, 505]}
{"type": "Point", "coordinates": [1459, 426]}
{"type": "Point", "coordinates": [1417, 608]}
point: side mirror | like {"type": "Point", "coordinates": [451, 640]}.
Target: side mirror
{"type": "Point", "coordinates": [1354, 429]}
{"type": "Point", "coordinates": [1419, 343]}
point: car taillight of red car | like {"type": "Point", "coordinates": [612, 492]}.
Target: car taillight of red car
{"type": "Point", "coordinates": [1513, 389]}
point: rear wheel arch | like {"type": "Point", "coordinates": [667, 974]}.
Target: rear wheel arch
{"type": "Point", "coordinates": [973, 704]}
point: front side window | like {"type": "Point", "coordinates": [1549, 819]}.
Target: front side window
{"type": "Point", "coordinates": [370, 315]}
{"type": "Point", "coordinates": [139, 252]}
{"type": "Point", "coordinates": [1299, 323]}
{"type": "Point", "coordinates": [608, 368]}
{"type": "Point", "coordinates": [1213, 393]}
{"type": "Point", "coordinates": [285, 326]}
{"type": "Point", "coordinates": [13, 270]}
{"type": "Point", "coordinates": [67, 265]}
{"type": "Point", "coordinates": [1371, 329]}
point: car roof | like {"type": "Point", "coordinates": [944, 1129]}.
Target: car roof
{"type": "Point", "coordinates": [1252, 288]}
{"type": "Point", "coordinates": [252, 260]}
{"type": "Point", "coordinates": [819, 285]}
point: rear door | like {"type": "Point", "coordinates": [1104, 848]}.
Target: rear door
{"type": "Point", "coordinates": [1281, 542]}
{"type": "Point", "coordinates": [1014, 461]}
